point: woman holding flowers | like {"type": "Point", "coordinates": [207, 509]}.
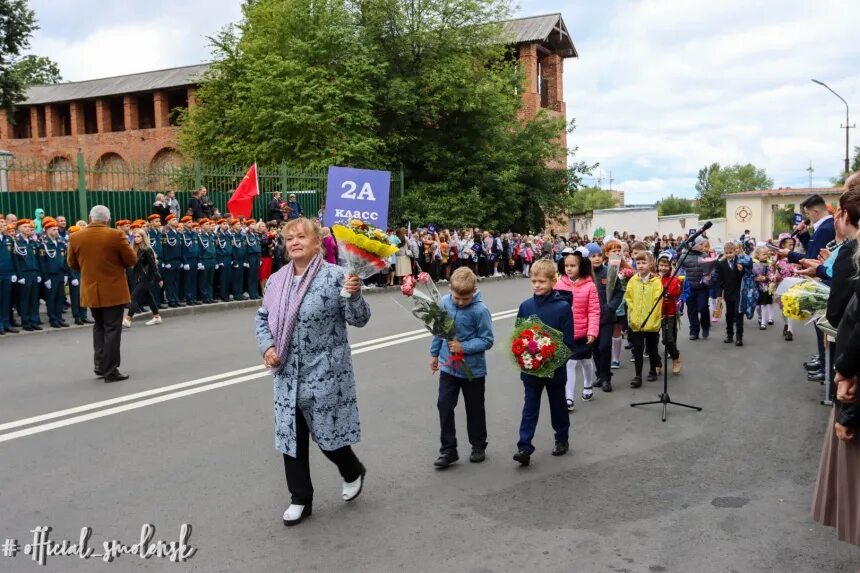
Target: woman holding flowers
{"type": "Point", "coordinates": [302, 335]}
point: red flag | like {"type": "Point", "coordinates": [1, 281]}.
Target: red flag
{"type": "Point", "coordinates": [243, 197]}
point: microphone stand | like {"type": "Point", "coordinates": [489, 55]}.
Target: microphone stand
{"type": "Point", "coordinates": [664, 398]}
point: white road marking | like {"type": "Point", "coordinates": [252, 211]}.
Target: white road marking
{"type": "Point", "coordinates": [174, 391]}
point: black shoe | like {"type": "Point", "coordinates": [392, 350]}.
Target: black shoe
{"type": "Point", "coordinates": [560, 448]}
{"type": "Point", "coordinates": [729, 339]}
{"type": "Point", "coordinates": [651, 376]}
{"type": "Point", "coordinates": [524, 458]}
{"type": "Point", "coordinates": [13, 330]}
{"type": "Point", "coordinates": [739, 342]}
{"type": "Point", "coordinates": [477, 456]}
{"type": "Point", "coordinates": [117, 376]}
{"type": "Point", "coordinates": [770, 322]}
{"type": "Point", "coordinates": [15, 324]}
{"type": "Point", "coordinates": [598, 384]}
{"type": "Point", "coordinates": [2, 331]}
{"type": "Point", "coordinates": [99, 374]}
{"type": "Point", "coordinates": [607, 386]}
{"type": "Point", "coordinates": [816, 376]}
{"type": "Point", "coordinates": [694, 337]}
{"type": "Point", "coordinates": [162, 306]}
{"type": "Point", "coordinates": [64, 324]}
{"type": "Point", "coordinates": [29, 329]}
{"type": "Point", "coordinates": [445, 460]}
{"type": "Point", "coordinates": [628, 346]}
{"type": "Point", "coordinates": [636, 382]}
{"type": "Point", "coordinates": [789, 336]}
{"type": "Point", "coordinates": [813, 365]}
{"type": "Point", "coordinates": [88, 321]}
{"type": "Point", "coordinates": [79, 322]}
{"type": "Point", "coordinates": [306, 512]}
{"type": "Point", "coordinates": [181, 304]}
{"type": "Point", "coordinates": [705, 334]}
{"type": "Point", "coordinates": [37, 327]}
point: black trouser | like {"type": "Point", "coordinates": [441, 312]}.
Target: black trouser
{"type": "Point", "coordinates": [252, 277]}
{"type": "Point", "coordinates": [106, 338]}
{"type": "Point", "coordinates": [670, 337]}
{"type": "Point", "coordinates": [734, 319]}
{"type": "Point", "coordinates": [298, 469]}
{"type": "Point", "coordinates": [603, 352]}
{"type": "Point", "coordinates": [140, 297]}
{"type": "Point", "coordinates": [224, 281]}
{"type": "Point", "coordinates": [171, 283]}
{"type": "Point", "coordinates": [476, 417]}
{"type": "Point", "coordinates": [641, 341]}
{"type": "Point", "coordinates": [205, 280]}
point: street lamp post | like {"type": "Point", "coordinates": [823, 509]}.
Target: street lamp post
{"type": "Point", "coordinates": [846, 127]}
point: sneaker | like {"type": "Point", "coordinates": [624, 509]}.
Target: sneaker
{"type": "Point", "coordinates": [126, 323]}
{"type": "Point", "coordinates": [570, 405]}
{"type": "Point", "coordinates": [770, 322]}
{"type": "Point", "coordinates": [560, 448]}
{"type": "Point", "coordinates": [636, 382]}
{"type": "Point", "coordinates": [155, 320]}
{"type": "Point", "coordinates": [445, 460]}
{"type": "Point", "coordinates": [587, 394]}
{"type": "Point", "coordinates": [694, 337]}
{"type": "Point", "coordinates": [762, 326]}
{"type": "Point", "coordinates": [607, 386]}
{"type": "Point", "coordinates": [628, 346]}
{"type": "Point", "coordinates": [616, 364]}
{"type": "Point", "coordinates": [633, 359]}
{"type": "Point", "coordinates": [524, 458]}
{"type": "Point", "coordinates": [739, 342]}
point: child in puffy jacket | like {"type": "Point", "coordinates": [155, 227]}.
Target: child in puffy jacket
{"type": "Point", "coordinates": [578, 279]}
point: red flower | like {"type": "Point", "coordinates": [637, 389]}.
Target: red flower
{"type": "Point", "coordinates": [527, 334]}
{"type": "Point", "coordinates": [518, 347]}
{"type": "Point", "coordinates": [547, 351]}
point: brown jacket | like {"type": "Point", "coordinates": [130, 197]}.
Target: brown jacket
{"type": "Point", "coordinates": [102, 255]}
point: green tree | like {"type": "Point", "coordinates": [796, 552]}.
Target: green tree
{"type": "Point", "coordinates": [714, 181]}
{"type": "Point", "coordinates": [590, 198]}
{"type": "Point", "coordinates": [855, 167]}
{"type": "Point", "coordinates": [429, 87]}
{"type": "Point", "coordinates": [672, 205]}
{"type": "Point", "coordinates": [37, 70]}
{"type": "Point", "coordinates": [17, 24]}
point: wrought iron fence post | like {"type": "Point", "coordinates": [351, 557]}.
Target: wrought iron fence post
{"type": "Point", "coordinates": [284, 177]}
{"type": "Point", "coordinates": [82, 187]}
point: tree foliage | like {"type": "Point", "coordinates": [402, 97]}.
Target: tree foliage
{"type": "Point", "coordinates": [855, 167]}
{"type": "Point", "coordinates": [425, 86]}
{"type": "Point", "coordinates": [17, 24]}
{"type": "Point", "coordinates": [714, 181]}
{"type": "Point", "coordinates": [37, 70]}
{"type": "Point", "coordinates": [590, 198]}
{"type": "Point", "coordinates": [672, 205]}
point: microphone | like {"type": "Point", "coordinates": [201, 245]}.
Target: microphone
{"type": "Point", "coordinates": [704, 228]}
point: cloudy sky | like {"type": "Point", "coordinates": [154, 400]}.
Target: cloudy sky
{"type": "Point", "coordinates": [661, 88]}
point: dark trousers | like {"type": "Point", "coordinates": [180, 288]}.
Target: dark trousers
{"type": "Point", "coordinates": [237, 275]}
{"type": "Point", "coordinates": [54, 297]}
{"type": "Point", "coordinates": [476, 418]}
{"type": "Point", "coordinates": [641, 341]}
{"type": "Point", "coordinates": [142, 296]}
{"type": "Point", "coordinates": [603, 352]}
{"type": "Point", "coordinates": [670, 337]}
{"type": "Point", "coordinates": [107, 332]}
{"type": "Point", "coordinates": [28, 300]}
{"type": "Point", "coordinates": [224, 281]}
{"type": "Point", "coordinates": [298, 469]}
{"type": "Point", "coordinates": [698, 312]}
{"type": "Point", "coordinates": [531, 410]}
{"type": "Point", "coordinates": [5, 303]}
{"type": "Point", "coordinates": [156, 292]}
{"type": "Point", "coordinates": [734, 319]}
{"type": "Point", "coordinates": [78, 312]}
{"type": "Point", "coordinates": [171, 283]}
{"type": "Point", "coordinates": [205, 278]}
{"type": "Point", "coordinates": [190, 282]}
{"type": "Point", "coordinates": [252, 276]}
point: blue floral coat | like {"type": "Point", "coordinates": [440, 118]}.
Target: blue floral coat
{"type": "Point", "coordinates": [317, 376]}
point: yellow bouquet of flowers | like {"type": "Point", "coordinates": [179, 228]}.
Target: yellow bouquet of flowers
{"type": "Point", "coordinates": [805, 299]}
{"type": "Point", "coordinates": [362, 248]}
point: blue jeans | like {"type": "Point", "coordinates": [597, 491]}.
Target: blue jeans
{"type": "Point", "coordinates": [697, 311]}
{"type": "Point", "coordinates": [531, 409]}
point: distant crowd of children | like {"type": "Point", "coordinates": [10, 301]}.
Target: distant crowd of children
{"type": "Point", "coordinates": [595, 295]}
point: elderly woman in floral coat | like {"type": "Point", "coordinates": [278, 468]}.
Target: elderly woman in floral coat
{"type": "Point", "coordinates": [301, 331]}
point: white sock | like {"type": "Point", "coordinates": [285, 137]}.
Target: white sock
{"type": "Point", "coordinates": [616, 348]}
{"type": "Point", "coordinates": [570, 387]}
{"type": "Point", "coordinates": [760, 311]}
{"type": "Point", "coordinates": [769, 311]}
{"type": "Point", "coordinates": [587, 365]}
{"type": "Point", "coordinates": [712, 305]}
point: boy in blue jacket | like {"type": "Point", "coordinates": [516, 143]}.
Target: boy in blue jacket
{"type": "Point", "coordinates": [553, 309]}
{"type": "Point", "coordinates": [474, 337]}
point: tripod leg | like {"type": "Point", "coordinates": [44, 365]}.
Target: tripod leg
{"type": "Point", "coordinates": [685, 405]}
{"type": "Point", "coordinates": [647, 403]}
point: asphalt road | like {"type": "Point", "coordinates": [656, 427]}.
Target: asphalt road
{"type": "Point", "coordinates": [727, 489]}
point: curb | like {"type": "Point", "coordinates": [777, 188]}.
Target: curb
{"type": "Point", "coordinates": [222, 306]}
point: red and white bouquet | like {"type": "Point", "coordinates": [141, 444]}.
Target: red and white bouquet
{"type": "Point", "coordinates": [537, 348]}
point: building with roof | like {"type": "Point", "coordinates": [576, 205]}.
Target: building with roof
{"type": "Point", "coordinates": [131, 119]}
{"type": "Point", "coordinates": [756, 210]}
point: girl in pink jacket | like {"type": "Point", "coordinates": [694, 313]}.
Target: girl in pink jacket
{"type": "Point", "coordinates": [577, 278]}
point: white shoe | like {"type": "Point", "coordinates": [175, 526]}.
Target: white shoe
{"type": "Point", "coordinates": [126, 323]}
{"type": "Point", "coordinates": [296, 513]}
{"type": "Point", "coordinates": [155, 320]}
{"type": "Point", "coordinates": [352, 489]}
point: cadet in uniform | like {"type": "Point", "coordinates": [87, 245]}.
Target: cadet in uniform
{"type": "Point", "coordinates": [171, 245]}
{"type": "Point", "coordinates": [53, 269]}
{"type": "Point", "coordinates": [254, 258]}
{"type": "Point", "coordinates": [79, 313]}
{"type": "Point", "coordinates": [224, 260]}
{"type": "Point", "coordinates": [27, 267]}
{"type": "Point", "coordinates": [190, 261]}
{"type": "Point", "coordinates": [239, 262]}
{"type": "Point", "coordinates": [7, 275]}
{"type": "Point", "coordinates": [155, 236]}
{"type": "Point", "coordinates": [206, 275]}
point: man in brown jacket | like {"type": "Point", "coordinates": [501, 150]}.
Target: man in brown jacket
{"type": "Point", "coordinates": [102, 255]}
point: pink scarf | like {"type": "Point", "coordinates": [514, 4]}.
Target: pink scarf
{"type": "Point", "coordinates": [283, 299]}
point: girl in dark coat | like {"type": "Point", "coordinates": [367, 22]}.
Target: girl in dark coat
{"type": "Point", "coordinates": [145, 274]}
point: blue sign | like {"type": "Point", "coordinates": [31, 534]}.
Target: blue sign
{"type": "Point", "coordinates": [357, 194]}
{"type": "Point", "coordinates": [431, 228]}
{"type": "Point", "coordinates": [691, 232]}
{"type": "Point", "coordinates": [798, 218]}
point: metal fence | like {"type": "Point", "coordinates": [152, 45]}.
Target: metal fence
{"type": "Point", "coordinates": [71, 187]}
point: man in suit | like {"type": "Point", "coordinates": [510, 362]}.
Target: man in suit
{"type": "Point", "coordinates": [102, 255]}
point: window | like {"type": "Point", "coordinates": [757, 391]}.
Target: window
{"type": "Point", "coordinates": [146, 111]}
{"type": "Point", "coordinates": [21, 124]}
{"type": "Point", "coordinates": [91, 124]}
{"type": "Point", "coordinates": [117, 113]}
{"type": "Point", "coordinates": [64, 118]}
{"type": "Point", "coordinates": [40, 122]}
{"type": "Point", "coordinates": [177, 100]}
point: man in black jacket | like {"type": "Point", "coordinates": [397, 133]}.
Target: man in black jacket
{"type": "Point", "coordinates": [275, 212]}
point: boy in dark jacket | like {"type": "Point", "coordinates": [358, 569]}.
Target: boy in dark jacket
{"type": "Point", "coordinates": [730, 272]}
{"type": "Point", "coordinates": [609, 303]}
{"type": "Point", "coordinates": [553, 309]}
